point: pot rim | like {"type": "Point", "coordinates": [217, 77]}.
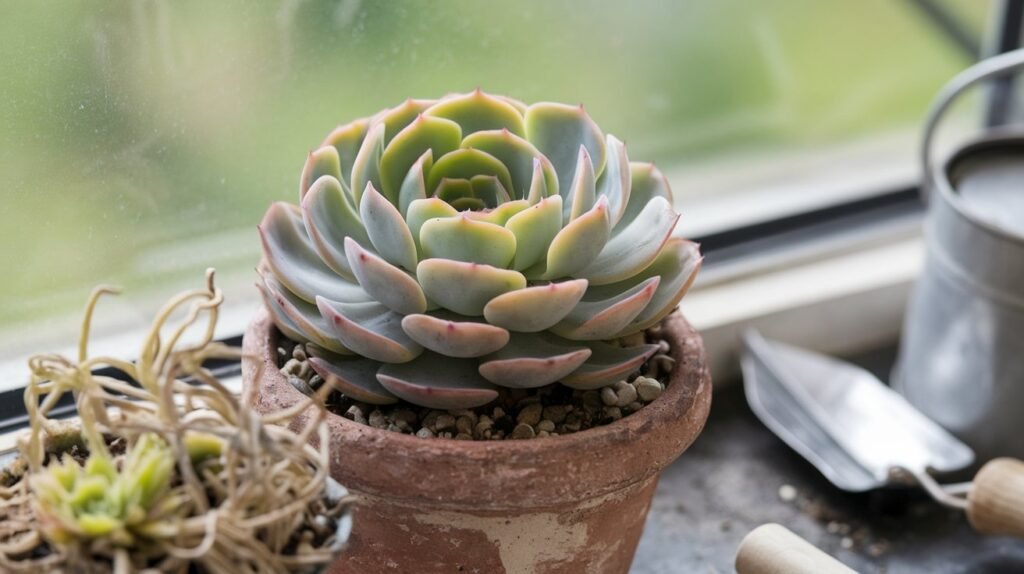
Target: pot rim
{"type": "Point", "coordinates": [649, 439]}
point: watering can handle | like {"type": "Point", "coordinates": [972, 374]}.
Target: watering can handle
{"type": "Point", "coordinates": [995, 502]}
{"type": "Point", "coordinates": [773, 549]}
{"type": "Point", "coordinates": [987, 68]}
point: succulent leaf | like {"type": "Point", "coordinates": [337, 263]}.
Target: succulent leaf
{"type": "Point", "coordinates": [677, 265]}
{"type": "Point", "coordinates": [558, 131]}
{"type": "Point", "coordinates": [488, 189]}
{"type": "Point", "coordinates": [452, 190]}
{"type": "Point", "coordinates": [455, 336]}
{"type": "Point", "coordinates": [438, 135]}
{"type": "Point", "coordinates": [302, 315]}
{"type": "Point", "coordinates": [634, 247]}
{"type": "Point", "coordinates": [330, 218]}
{"type": "Point", "coordinates": [465, 239]}
{"type": "Point", "coordinates": [529, 361]}
{"type": "Point", "coordinates": [465, 164]}
{"type": "Point", "coordinates": [615, 182]}
{"type": "Point", "coordinates": [347, 139]}
{"type": "Point", "coordinates": [356, 378]}
{"type": "Point", "coordinates": [501, 214]}
{"type": "Point", "coordinates": [367, 165]}
{"type": "Point", "coordinates": [388, 232]}
{"type": "Point", "coordinates": [422, 210]}
{"type": "Point", "coordinates": [604, 319]}
{"type": "Point", "coordinates": [438, 382]}
{"type": "Point", "coordinates": [535, 309]}
{"type": "Point", "coordinates": [608, 364]}
{"type": "Point", "coordinates": [385, 282]}
{"type": "Point", "coordinates": [534, 229]}
{"type": "Point", "coordinates": [398, 118]}
{"type": "Point", "coordinates": [477, 111]}
{"type": "Point", "coordinates": [415, 184]}
{"type": "Point", "coordinates": [279, 317]}
{"type": "Point", "coordinates": [323, 161]}
{"type": "Point", "coordinates": [646, 183]}
{"type": "Point", "coordinates": [583, 193]}
{"type": "Point", "coordinates": [370, 329]}
{"type": "Point", "coordinates": [289, 252]}
{"type": "Point", "coordinates": [579, 242]}
{"type": "Point", "coordinates": [517, 154]}
{"type": "Point", "coordinates": [541, 185]}
{"type": "Point", "coordinates": [465, 287]}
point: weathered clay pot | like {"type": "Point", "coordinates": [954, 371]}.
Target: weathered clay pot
{"type": "Point", "coordinates": [569, 504]}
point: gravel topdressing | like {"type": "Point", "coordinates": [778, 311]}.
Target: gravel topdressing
{"type": "Point", "coordinates": [551, 410]}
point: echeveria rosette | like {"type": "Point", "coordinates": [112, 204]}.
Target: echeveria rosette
{"type": "Point", "coordinates": [444, 248]}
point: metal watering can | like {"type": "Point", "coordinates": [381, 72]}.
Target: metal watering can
{"type": "Point", "coordinates": [961, 359]}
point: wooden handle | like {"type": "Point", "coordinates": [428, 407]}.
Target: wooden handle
{"type": "Point", "coordinates": [995, 503]}
{"type": "Point", "coordinates": [773, 549]}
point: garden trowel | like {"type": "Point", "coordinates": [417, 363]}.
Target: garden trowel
{"type": "Point", "coordinates": [862, 435]}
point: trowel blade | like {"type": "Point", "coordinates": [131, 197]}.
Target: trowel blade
{"type": "Point", "coordinates": [859, 419]}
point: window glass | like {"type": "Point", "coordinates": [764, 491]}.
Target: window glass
{"type": "Point", "coordinates": [142, 141]}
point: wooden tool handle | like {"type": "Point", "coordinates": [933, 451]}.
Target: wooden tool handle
{"type": "Point", "coordinates": [995, 503]}
{"type": "Point", "coordinates": [773, 549]}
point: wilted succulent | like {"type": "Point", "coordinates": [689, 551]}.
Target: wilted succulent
{"type": "Point", "coordinates": [173, 474]}
{"type": "Point", "coordinates": [444, 247]}
{"type": "Point", "coordinates": [97, 499]}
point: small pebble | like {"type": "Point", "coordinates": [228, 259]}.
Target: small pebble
{"type": "Point", "coordinates": [545, 426]}
{"type": "Point", "coordinates": [444, 421]}
{"type": "Point", "coordinates": [464, 425]}
{"type": "Point", "coordinates": [543, 433]}
{"type": "Point", "coordinates": [625, 392]}
{"type": "Point", "coordinates": [648, 389]}
{"type": "Point", "coordinates": [377, 419]}
{"type": "Point", "coordinates": [464, 413]}
{"type": "Point", "coordinates": [614, 413]}
{"type": "Point", "coordinates": [608, 397]}
{"type": "Point", "coordinates": [523, 431]}
{"type": "Point", "coordinates": [530, 414]}
{"type": "Point", "coordinates": [787, 493]}
{"type": "Point", "coordinates": [556, 413]}
{"type": "Point", "coordinates": [292, 367]}
{"type": "Point", "coordinates": [484, 425]}
{"type": "Point", "coordinates": [430, 421]}
{"type": "Point", "coordinates": [522, 403]}
{"type": "Point", "coordinates": [298, 353]}
{"type": "Point", "coordinates": [356, 414]}
{"type": "Point", "coordinates": [846, 543]}
{"type": "Point", "coordinates": [406, 416]}
{"type": "Point", "coordinates": [300, 385]}
{"type": "Point", "coordinates": [463, 436]}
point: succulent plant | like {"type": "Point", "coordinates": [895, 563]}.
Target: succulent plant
{"type": "Point", "coordinates": [441, 249]}
{"type": "Point", "coordinates": [99, 500]}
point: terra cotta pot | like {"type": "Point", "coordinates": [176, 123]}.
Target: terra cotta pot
{"type": "Point", "coordinates": [574, 503]}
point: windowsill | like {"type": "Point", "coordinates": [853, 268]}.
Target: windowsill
{"type": "Point", "coordinates": [840, 304]}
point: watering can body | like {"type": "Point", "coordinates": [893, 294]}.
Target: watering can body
{"type": "Point", "coordinates": [961, 358]}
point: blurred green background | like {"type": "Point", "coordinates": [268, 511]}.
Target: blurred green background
{"type": "Point", "coordinates": [142, 141]}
